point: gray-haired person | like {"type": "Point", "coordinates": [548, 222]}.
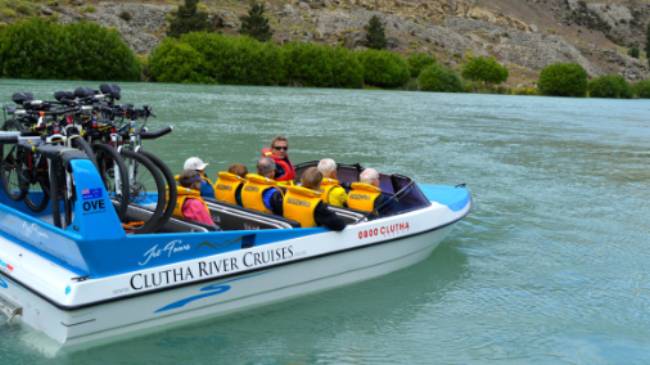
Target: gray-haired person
{"type": "Point", "coordinates": [260, 192]}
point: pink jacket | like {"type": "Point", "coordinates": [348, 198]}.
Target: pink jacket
{"type": "Point", "coordinates": [194, 210]}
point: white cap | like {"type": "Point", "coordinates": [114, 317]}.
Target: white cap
{"type": "Point", "coordinates": [194, 163]}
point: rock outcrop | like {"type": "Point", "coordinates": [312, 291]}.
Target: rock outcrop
{"type": "Point", "coordinates": [524, 34]}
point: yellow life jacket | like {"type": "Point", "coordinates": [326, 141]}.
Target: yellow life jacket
{"type": "Point", "coordinates": [299, 205]}
{"type": "Point", "coordinates": [226, 187]}
{"type": "Point", "coordinates": [183, 194]}
{"type": "Point", "coordinates": [362, 197]}
{"type": "Point", "coordinates": [327, 185]}
{"type": "Point", "coordinates": [284, 184]}
{"type": "Point", "coordinates": [253, 190]}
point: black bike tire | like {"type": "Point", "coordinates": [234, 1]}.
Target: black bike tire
{"type": "Point", "coordinates": [11, 125]}
{"type": "Point", "coordinates": [117, 159]}
{"type": "Point", "coordinates": [172, 193]}
{"type": "Point", "coordinates": [4, 180]}
{"type": "Point", "coordinates": [154, 222]}
{"type": "Point", "coordinates": [38, 207]}
{"type": "Point", "coordinates": [84, 146]}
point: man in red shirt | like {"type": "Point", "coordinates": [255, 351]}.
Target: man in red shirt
{"type": "Point", "coordinates": [284, 170]}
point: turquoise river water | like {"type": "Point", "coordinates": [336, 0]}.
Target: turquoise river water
{"type": "Point", "coordinates": [551, 267]}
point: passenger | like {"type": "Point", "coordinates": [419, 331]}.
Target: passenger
{"type": "Point", "coordinates": [304, 205]}
{"type": "Point", "coordinates": [365, 195]}
{"type": "Point", "coordinates": [229, 184]}
{"type": "Point", "coordinates": [189, 203]}
{"type": "Point", "coordinates": [260, 192]}
{"type": "Point", "coordinates": [333, 192]}
{"type": "Point", "coordinates": [195, 163]}
{"type": "Point", "coordinates": [278, 152]}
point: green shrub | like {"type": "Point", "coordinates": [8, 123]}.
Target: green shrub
{"type": "Point", "coordinates": [238, 60]}
{"type": "Point", "coordinates": [524, 91]}
{"type": "Point", "coordinates": [634, 51]}
{"type": "Point", "coordinates": [308, 64]}
{"type": "Point", "coordinates": [610, 86]}
{"type": "Point", "coordinates": [346, 69]}
{"type": "Point", "coordinates": [642, 89]}
{"type": "Point", "coordinates": [417, 61]}
{"type": "Point", "coordinates": [40, 49]}
{"type": "Point", "coordinates": [33, 49]}
{"type": "Point", "coordinates": [174, 61]}
{"type": "Point", "coordinates": [97, 53]}
{"type": "Point", "coordinates": [563, 79]}
{"type": "Point", "coordinates": [384, 68]}
{"type": "Point", "coordinates": [439, 78]}
{"type": "Point", "coordinates": [485, 69]}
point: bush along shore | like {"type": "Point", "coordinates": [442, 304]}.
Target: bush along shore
{"type": "Point", "coordinates": [39, 49]}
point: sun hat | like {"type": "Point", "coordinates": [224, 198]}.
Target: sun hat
{"type": "Point", "coordinates": [194, 163]}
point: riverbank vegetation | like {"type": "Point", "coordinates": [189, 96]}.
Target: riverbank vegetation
{"type": "Point", "coordinates": [37, 48]}
{"type": "Point", "coordinates": [40, 49]}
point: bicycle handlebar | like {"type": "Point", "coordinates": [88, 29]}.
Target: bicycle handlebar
{"type": "Point", "coordinates": [156, 134]}
{"type": "Point", "coordinates": [9, 137]}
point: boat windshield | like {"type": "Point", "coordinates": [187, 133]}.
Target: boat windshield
{"type": "Point", "coordinates": [402, 192]}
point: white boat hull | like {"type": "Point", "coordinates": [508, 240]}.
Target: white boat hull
{"type": "Point", "coordinates": [129, 317]}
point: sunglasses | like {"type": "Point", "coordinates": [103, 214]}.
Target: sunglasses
{"type": "Point", "coordinates": [281, 148]}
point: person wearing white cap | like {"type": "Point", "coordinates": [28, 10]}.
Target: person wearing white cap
{"type": "Point", "coordinates": [195, 163]}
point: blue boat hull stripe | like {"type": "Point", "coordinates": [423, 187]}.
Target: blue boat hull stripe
{"type": "Point", "coordinates": [129, 296]}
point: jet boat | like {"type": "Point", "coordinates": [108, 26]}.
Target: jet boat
{"type": "Point", "coordinates": [93, 282]}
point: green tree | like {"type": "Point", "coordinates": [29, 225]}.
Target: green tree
{"type": "Point", "coordinates": [174, 61]}
{"type": "Point", "coordinates": [563, 79]}
{"type": "Point", "coordinates": [384, 68]}
{"type": "Point", "coordinates": [417, 61]}
{"type": "Point", "coordinates": [485, 69]}
{"type": "Point", "coordinates": [642, 89]}
{"type": "Point", "coordinates": [610, 86]}
{"type": "Point", "coordinates": [255, 24]}
{"type": "Point", "coordinates": [375, 35]}
{"type": "Point", "coordinates": [439, 78]}
{"type": "Point", "coordinates": [188, 19]}
{"type": "Point", "coordinates": [633, 51]}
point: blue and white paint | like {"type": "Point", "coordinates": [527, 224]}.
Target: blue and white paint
{"type": "Point", "coordinates": [206, 292]}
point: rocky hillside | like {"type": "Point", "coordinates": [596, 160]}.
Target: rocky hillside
{"type": "Point", "coordinates": [526, 35]}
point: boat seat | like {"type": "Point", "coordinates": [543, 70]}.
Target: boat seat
{"type": "Point", "coordinates": [139, 213]}
{"type": "Point", "coordinates": [234, 217]}
{"type": "Point", "coordinates": [348, 215]}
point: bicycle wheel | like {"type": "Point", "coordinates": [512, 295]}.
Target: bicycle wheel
{"type": "Point", "coordinates": [38, 188]}
{"type": "Point", "coordinates": [146, 188]}
{"type": "Point", "coordinates": [171, 192]}
{"type": "Point", "coordinates": [112, 170]}
{"type": "Point", "coordinates": [12, 172]}
{"type": "Point", "coordinates": [81, 144]}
